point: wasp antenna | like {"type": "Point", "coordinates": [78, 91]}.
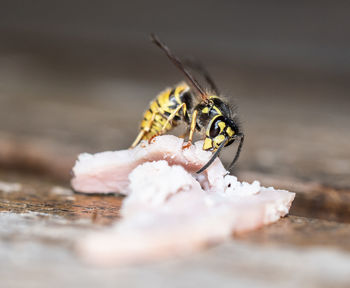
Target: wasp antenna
{"type": "Point", "coordinates": [178, 64]}
{"type": "Point", "coordinates": [196, 65]}
{"type": "Point", "coordinates": [215, 155]}
{"type": "Point", "coordinates": [241, 137]}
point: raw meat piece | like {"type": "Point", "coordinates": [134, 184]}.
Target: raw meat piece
{"type": "Point", "coordinates": [108, 172]}
{"type": "Point", "coordinates": [171, 210]}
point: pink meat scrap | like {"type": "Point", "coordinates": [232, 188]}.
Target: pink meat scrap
{"type": "Point", "coordinates": [169, 209]}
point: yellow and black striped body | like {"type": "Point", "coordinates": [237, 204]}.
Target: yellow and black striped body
{"type": "Point", "coordinates": [172, 103]}
{"type": "Point", "coordinates": [211, 114]}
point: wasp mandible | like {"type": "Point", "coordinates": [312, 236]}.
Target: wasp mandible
{"type": "Point", "coordinates": [201, 109]}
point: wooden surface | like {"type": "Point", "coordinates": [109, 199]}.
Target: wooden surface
{"type": "Point", "coordinates": [297, 127]}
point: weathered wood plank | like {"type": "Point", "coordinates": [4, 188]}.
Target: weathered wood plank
{"type": "Point", "coordinates": [41, 223]}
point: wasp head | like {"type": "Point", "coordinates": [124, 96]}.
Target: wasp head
{"type": "Point", "coordinates": [220, 131]}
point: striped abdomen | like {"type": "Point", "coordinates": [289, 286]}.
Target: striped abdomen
{"type": "Point", "coordinates": [163, 106]}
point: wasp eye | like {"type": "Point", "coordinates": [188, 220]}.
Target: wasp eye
{"type": "Point", "coordinates": [214, 129]}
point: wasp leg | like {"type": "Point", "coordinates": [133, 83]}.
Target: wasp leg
{"type": "Point", "coordinates": [144, 131]}
{"type": "Point", "coordinates": [168, 120]}
{"type": "Point", "coordinates": [193, 127]}
{"type": "Point", "coordinates": [171, 117]}
{"type": "Point", "coordinates": [138, 138]}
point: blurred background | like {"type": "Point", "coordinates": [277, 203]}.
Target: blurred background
{"type": "Point", "coordinates": [79, 75]}
{"type": "Point", "coordinates": [76, 76]}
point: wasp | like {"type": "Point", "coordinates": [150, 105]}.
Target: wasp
{"type": "Point", "coordinates": [201, 109]}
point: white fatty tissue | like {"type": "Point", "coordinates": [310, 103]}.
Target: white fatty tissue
{"type": "Point", "coordinates": [169, 209]}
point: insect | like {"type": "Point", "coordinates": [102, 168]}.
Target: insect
{"type": "Point", "coordinates": [201, 109]}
